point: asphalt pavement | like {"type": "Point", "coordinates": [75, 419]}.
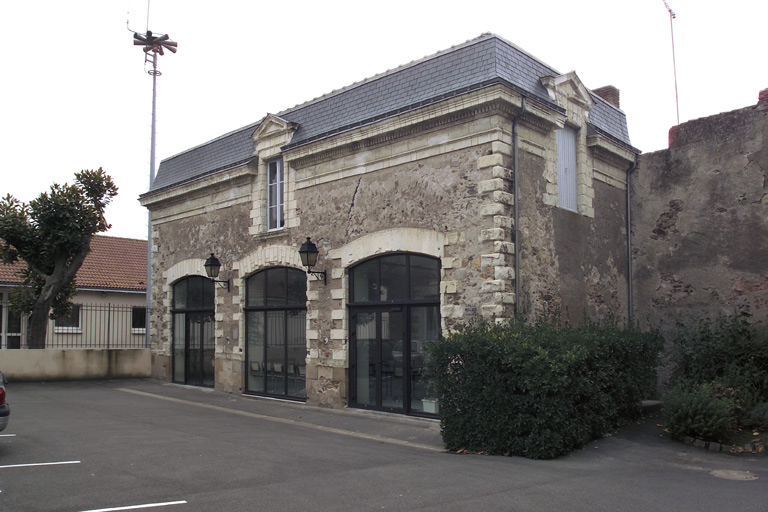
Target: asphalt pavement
{"type": "Point", "coordinates": [150, 445]}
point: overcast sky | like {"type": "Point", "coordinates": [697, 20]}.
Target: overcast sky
{"type": "Point", "coordinates": [76, 95]}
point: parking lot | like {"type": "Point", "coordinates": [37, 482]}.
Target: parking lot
{"type": "Point", "coordinates": [147, 445]}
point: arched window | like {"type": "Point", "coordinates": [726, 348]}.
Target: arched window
{"type": "Point", "coordinates": [275, 320]}
{"type": "Point", "coordinates": [193, 338]}
{"type": "Point", "coordinates": [394, 304]}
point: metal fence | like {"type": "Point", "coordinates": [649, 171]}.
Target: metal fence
{"type": "Point", "coordinates": [88, 326]}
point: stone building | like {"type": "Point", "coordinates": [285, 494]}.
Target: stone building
{"type": "Point", "coordinates": [700, 221]}
{"type": "Point", "coordinates": [476, 182]}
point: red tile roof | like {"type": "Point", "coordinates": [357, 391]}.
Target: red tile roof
{"type": "Point", "coordinates": [113, 264]}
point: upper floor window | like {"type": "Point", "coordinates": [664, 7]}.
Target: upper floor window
{"type": "Point", "coordinates": [275, 195]}
{"type": "Point", "coordinates": [566, 168]}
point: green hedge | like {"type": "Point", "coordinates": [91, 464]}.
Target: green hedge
{"type": "Point", "coordinates": [539, 391]}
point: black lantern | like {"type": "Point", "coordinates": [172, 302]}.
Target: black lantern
{"type": "Point", "coordinates": [308, 253]}
{"type": "Point", "coordinates": [212, 267]}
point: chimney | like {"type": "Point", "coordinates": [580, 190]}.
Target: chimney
{"type": "Point", "coordinates": [610, 94]}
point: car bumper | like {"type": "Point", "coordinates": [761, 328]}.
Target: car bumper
{"type": "Point", "coordinates": [5, 413]}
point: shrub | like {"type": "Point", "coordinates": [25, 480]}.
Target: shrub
{"type": "Point", "coordinates": [729, 351]}
{"type": "Point", "coordinates": [701, 411]}
{"type": "Point", "coordinates": [539, 391]}
{"type": "Point", "coordinates": [721, 379]}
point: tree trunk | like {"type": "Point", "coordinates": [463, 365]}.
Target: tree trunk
{"type": "Point", "coordinates": [38, 326]}
{"type": "Point", "coordinates": [62, 274]}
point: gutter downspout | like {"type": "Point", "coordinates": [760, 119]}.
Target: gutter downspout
{"type": "Point", "coordinates": [630, 306]}
{"type": "Point", "coordinates": [516, 214]}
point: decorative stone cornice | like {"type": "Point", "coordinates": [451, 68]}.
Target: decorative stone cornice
{"type": "Point", "coordinates": [273, 126]}
{"type": "Point", "coordinates": [199, 186]}
{"type": "Point", "coordinates": [609, 151]}
{"type": "Point", "coordinates": [581, 95]}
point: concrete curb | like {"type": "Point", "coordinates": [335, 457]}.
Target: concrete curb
{"type": "Point", "coordinates": [750, 448]}
{"type": "Point", "coordinates": [757, 448]}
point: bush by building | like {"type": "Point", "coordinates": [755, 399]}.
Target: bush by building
{"type": "Point", "coordinates": [721, 378]}
{"type": "Point", "coordinates": [539, 391]}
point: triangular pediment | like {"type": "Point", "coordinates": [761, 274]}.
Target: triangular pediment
{"type": "Point", "coordinates": [273, 125]}
{"type": "Point", "coordinates": [570, 86]}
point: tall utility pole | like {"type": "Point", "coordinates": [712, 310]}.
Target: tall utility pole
{"type": "Point", "coordinates": [672, 16]}
{"type": "Point", "coordinates": [153, 45]}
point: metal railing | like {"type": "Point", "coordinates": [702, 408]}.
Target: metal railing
{"type": "Point", "coordinates": [103, 326]}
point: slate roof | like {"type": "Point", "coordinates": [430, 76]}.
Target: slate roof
{"type": "Point", "coordinates": [482, 62]}
{"type": "Point", "coordinates": [608, 120]}
{"type": "Point", "coordinates": [113, 264]}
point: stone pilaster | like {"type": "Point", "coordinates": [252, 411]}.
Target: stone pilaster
{"type": "Point", "coordinates": [497, 265]}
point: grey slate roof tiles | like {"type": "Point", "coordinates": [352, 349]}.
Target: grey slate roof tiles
{"type": "Point", "coordinates": [609, 120]}
{"type": "Point", "coordinates": [226, 151]}
{"type": "Point", "coordinates": [478, 63]}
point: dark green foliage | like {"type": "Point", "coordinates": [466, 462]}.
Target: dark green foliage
{"type": "Point", "coordinates": [539, 391]}
{"type": "Point", "coordinates": [696, 411]}
{"type": "Point", "coordinates": [729, 351]}
{"type": "Point", "coordinates": [758, 416]}
{"type": "Point", "coordinates": [722, 370]}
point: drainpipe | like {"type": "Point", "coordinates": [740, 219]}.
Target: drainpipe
{"type": "Point", "coordinates": [629, 243]}
{"type": "Point", "coordinates": [516, 214]}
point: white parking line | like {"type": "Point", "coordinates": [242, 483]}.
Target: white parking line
{"type": "Point", "coordinates": [41, 464]}
{"type": "Point", "coordinates": [136, 507]}
{"type": "Point", "coordinates": [7, 435]}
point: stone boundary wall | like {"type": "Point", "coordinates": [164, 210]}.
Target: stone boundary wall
{"type": "Point", "coordinates": [700, 221]}
{"type": "Point", "coordinates": [75, 364]}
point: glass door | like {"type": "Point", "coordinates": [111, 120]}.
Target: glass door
{"type": "Point", "coordinates": [193, 331]}
{"type": "Point", "coordinates": [200, 348]}
{"type": "Point", "coordinates": [394, 305]}
{"type": "Point", "coordinates": [379, 368]}
{"type": "Point", "coordinates": [276, 327]}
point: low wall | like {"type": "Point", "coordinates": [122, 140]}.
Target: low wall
{"type": "Point", "coordinates": [75, 364]}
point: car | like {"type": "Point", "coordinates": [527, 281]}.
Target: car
{"type": "Point", "coordinates": [5, 409]}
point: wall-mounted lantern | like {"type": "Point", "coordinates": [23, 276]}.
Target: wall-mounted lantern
{"type": "Point", "coordinates": [308, 253]}
{"type": "Point", "coordinates": [212, 267]}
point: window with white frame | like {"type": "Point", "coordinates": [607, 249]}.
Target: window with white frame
{"type": "Point", "coordinates": [566, 168]}
{"type": "Point", "coordinates": [138, 320]}
{"type": "Point", "coordinates": [275, 195]}
{"type": "Point", "coordinates": [69, 323]}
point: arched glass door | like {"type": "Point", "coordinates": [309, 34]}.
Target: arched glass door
{"type": "Point", "coordinates": [394, 304]}
{"type": "Point", "coordinates": [193, 338]}
{"type": "Point", "coordinates": [275, 320]}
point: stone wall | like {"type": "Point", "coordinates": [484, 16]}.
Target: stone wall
{"type": "Point", "coordinates": [700, 220]}
{"type": "Point", "coordinates": [573, 267]}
